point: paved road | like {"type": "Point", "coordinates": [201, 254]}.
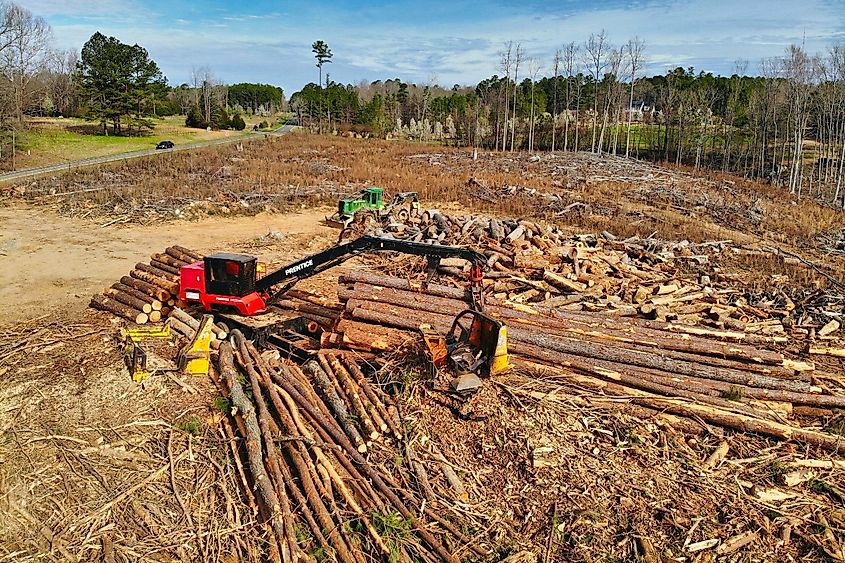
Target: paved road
{"type": "Point", "coordinates": [73, 164]}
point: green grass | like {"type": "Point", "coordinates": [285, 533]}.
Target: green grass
{"type": "Point", "coordinates": [53, 141]}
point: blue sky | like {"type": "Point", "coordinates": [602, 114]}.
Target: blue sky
{"type": "Point", "coordinates": [447, 41]}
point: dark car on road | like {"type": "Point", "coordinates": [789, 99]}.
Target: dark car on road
{"type": "Point", "coordinates": [164, 145]}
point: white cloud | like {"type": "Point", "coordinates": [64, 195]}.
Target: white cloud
{"type": "Point", "coordinates": [415, 41]}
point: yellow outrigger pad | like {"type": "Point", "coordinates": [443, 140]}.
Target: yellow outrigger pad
{"type": "Point", "coordinates": [195, 358]}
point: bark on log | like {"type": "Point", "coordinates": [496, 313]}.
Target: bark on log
{"type": "Point", "coordinates": [169, 286]}
{"type": "Point", "coordinates": [630, 330]}
{"type": "Point", "coordinates": [397, 283]}
{"type": "Point", "coordinates": [120, 309]}
{"type": "Point", "coordinates": [169, 260]}
{"type": "Point", "coordinates": [321, 378]}
{"type": "Point", "coordinates": [165, 267]}
{"type": "Point", "coordinates": [375, 400]}
{"type": "Point", "coordinates": [363, 336]}
{"type": "Point", "coordinates": [354, 393]}
{"type": "Point", "coordinates": [155, 303]}
{"type": "Point", "coordinates": [734, 421]}
{"type": "Point", "coordinates": [178, 313]}
{"type": "Point", "coordinates": [158, 272]}
{"type": "Point", "coordinates": [130, 300]}
{"type": "Point", "coordinates": [226, 363]}
{"type": "Point", "coordinates": [183, 254]}
{"type": "Point", "coordinates": [288, 542]}
{"type": "Point", "coordinates": [375, 477]}
{"type": "Point", "coordinates": [148, 288]}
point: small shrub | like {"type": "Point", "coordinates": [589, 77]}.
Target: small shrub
{"type": "Point", "coordinates": [191, 426]}
{"type": "Point", "coordinates": [237, 122]}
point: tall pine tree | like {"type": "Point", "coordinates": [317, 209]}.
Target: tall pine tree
{"type": "Point", "coordinates": [119, 83]}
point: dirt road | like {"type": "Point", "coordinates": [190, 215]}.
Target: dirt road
{"type": "Point", "coordinates": [52, 261]}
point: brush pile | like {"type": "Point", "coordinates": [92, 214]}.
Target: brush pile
{"type": "Point", "coordinates": [150, 291]}
{"type": "Point", "coordinates": [306, 433]}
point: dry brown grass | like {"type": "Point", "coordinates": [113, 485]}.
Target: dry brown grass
{"type": "Point", "coordinates": [283, 169]}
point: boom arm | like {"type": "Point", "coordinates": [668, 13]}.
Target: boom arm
{"type": "Point", "coordinates": [333, 256]}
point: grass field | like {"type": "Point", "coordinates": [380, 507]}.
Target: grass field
{"type": "Point", "coordinates": [56, 140]}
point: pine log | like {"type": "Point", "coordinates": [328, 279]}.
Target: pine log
{"type": "Point", "coordinates": [158, 272]}
{"type": "Point", "coordinates": [104, 303]}
{"type": "Point", "coordinates": [331, 397]}
{"type": "Point", "coordinates": [354, 393]}
{"type": "Point", "coordinates": [376, 478]}
{"type": "Point", "coordinates": [735, 421]}
{"type": "Point", "coordinates": [190, 321]}
{"type": "Point", "coordinates": [296, 452]}
{"type": "Point", "coordinates": [255, 456]}
{"type": "Point", "coordinates": [306, 308]}
{"type": "Point", "coordinates": [169, 286]}
{"type": "Point", "coordinates": [165, 267]}
{"type": "Point", "coordinates": [397, 283]}
{"type": "Point", "coordinates": [356, 372]}
{"type": "Point", "coordinates": [148, 288]}
{"type": "Point", "coordinates": [170, 260]}
{"type": "Point", "coordinates": [563, 283]}
{"type": "Point", "coordinates": [655, 361]}
{"type": "Point", "coordinates": [182, 328]}
{"type": "Point", "coordinates": [631, 355]}
{"type": "Point", "coordinates": [363, 336]}
{"type": "Point", "coordinates": [182, 254]}
{"type": "Point", "coordinates": [155, 303]}
{"type": "Point", "coordinates": [189, 252]}
{"type": "Point", "coordinates": [154, 316]}
{"type": "Point", "coordinates": [360, 285]}
{"type": "Point", "coordinates": [130, 300]}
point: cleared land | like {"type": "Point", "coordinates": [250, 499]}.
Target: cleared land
{"type": "Point", "coordinates": [617, 484]}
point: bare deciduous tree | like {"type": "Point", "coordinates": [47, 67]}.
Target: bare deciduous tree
{"type": "Point", "coordinates": [635, 50]}
{"type": "Point", "coordinates": [25, 52]}
{"type": "Point", "coordinates": [595, 58]}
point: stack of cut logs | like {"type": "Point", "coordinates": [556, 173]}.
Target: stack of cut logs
{"type": "Point", "coordinates": [726, 378]}
{"type": "Point", "coordinates": [534, 263]}
{"type": "Point", "coordinates": [150, 291]}
{"type": "Point", "coordinates": [305, 432]}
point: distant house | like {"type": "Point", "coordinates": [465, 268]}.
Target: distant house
{"type": "Point", "coordinates": [640, 111]}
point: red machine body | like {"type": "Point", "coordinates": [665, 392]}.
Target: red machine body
{"type": "Point", "coordinates": [225, 280]}
{"type": "Point", "coordinates": [193, 288]}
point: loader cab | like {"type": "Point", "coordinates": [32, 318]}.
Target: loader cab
{"type": "Point", "coordinates": [229, 274]}
{"type": "Point", "coordinates": [373, 197]}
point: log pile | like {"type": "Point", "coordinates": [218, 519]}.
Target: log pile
{"type": "Point", "coordinates": [324, 456]}
{"type": "Point", "coordinates": [538, 264]}
{"type": "Point", "coordinates": [731, 379]}
{"type": "Point", "coordinates": [150, 291]}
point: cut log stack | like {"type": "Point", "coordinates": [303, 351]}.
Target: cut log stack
{"type": "Point", "coordinates": [733, 379]}
{"type": "Point", "coordinates": [308, 436]}
{"type": "Point", "coordinates": [150, 291]}
{"type": "Point", "coordinates": [531, 262]}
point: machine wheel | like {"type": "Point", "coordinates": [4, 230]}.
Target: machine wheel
{"type": "Point", "coordinates": [402, 215]}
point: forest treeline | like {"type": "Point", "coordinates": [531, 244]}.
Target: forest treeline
{"type": "Point", "coordinates": [785, 125]}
